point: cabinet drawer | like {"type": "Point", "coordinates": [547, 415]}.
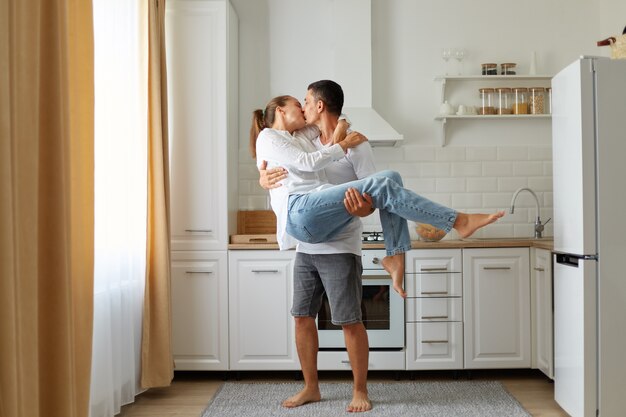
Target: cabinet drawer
{"type": "Point", "coordinates": [434, 345]}
{"type": "Point", "coordinates": [434, 309]}
{"type": "Point", "coordinates": [339, 361]}
{"type": "Point", "coordinates": [447, 284]}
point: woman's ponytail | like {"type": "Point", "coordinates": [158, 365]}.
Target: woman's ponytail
{"type": "Point", "coordinates": [258, 124]}
{"type": "Point", "coordinates": [264, 118]}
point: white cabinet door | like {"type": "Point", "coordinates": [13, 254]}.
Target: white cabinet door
{"type": "Point", "coordinates": [496, 305]}
{"type": "Point", "coordinates": [200, 310]}
{"type": "Point", "coordinates": [542, 311]}
{"type": "Point", "coordinates": [203, 167]}
{"type": "Point", "coordinates": [260, 296]}
{"type": "Point", "coordinates": [434, 320]}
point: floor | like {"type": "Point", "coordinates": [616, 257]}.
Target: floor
{"type": "Point", "coordinates": [191, 391]}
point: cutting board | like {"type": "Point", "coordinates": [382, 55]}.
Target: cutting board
{"type": "Point", "coordinates": [256, 222]}
{"type": "Point", "coordinates": [253, 239]}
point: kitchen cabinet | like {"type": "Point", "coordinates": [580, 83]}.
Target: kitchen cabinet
{"type": "Point", "coordinates": [260, 296]}
{"type": "Point", "coordinates": [474, 82]}
{"type": "Point", "coordinates": [200, 310]}
{"type": "Point", "coordinates": [542, 311]}
{"type": "Point", "coordinates": [201, 48]}
{"type": "Point", "coordinates": [202, 77]}
{"type": "Point", "coordinates": [496, 307]}
{"type": "Point", "coordinates": [434, 309]}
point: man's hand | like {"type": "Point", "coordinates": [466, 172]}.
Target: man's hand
{"type": "Point", "coordinates": [357, 204]}
{"type": "Point", "coordinates": [270, 178]}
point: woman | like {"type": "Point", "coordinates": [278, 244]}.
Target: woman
{"type": "Point", "coordinates": [311, 210]}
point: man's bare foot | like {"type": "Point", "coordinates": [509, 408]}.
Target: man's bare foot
{"type": "Point", "coordinates": [394, 264]}
{"type": "Point", "coordinates": [467, 224]}
{"type": "Point", "coordinates": [305, 396]}
{"type": "Point", "coordinates": [360, 402]}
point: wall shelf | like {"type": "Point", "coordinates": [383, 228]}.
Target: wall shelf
{"type": "Point", "coordinates": [444, 79]}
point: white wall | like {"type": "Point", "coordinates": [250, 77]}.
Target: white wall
{"type": "Point", "coordinates": [283, 45]}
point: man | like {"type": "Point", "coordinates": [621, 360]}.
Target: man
{"type": "Point", "coordinates": [333, 267]}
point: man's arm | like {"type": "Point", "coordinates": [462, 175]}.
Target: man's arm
{"type": "Point", "coordinates": [270, 178]}
{"type": "Point", "coordinates": [358, 204]}
{"type": "Point", "coordinates": [362, 160]}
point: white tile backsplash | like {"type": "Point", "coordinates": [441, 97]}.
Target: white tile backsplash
{"type": "Point", "coordinates": [473, 179]}
{"type": "Point", "coordinates": [481, 153]}
{"type": "Point", "coordinates": [512, 153]}
{"type": "Point", "coordinates": [482, 185]}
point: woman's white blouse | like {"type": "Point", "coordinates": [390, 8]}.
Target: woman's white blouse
{"type": "Point", "coordinates": [304, 163]}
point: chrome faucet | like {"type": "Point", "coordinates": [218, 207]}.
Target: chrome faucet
{"type": "Point", "coordinates": [538, 225]}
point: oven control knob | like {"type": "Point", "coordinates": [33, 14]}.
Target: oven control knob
{"type": "Point", "coordinates": [375, 261]}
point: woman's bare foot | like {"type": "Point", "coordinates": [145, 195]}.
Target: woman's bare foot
{"type": "Point", "coordinates": [467, 224]}
{"type": "Point", "coordinates": [394, 264]}
{"type": "Point", "coordinates": [303, 397]}
{"type": "Point", "coordinates": [360, 402]}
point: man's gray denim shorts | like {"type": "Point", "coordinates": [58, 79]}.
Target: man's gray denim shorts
{"type": "Point", "coordinates": [337, 274]}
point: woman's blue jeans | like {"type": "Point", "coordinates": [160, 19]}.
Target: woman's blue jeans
{"type": "Point", "coordinates": [318, 216]}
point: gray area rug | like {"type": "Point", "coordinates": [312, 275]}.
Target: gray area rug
{"type": "Point", "coordinates": [389, 399]}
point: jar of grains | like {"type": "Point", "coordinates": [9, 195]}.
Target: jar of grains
{"type": "Point", "coordinates": [487, 101]}
{"type": "Point", "coordinates": [508, 68]}
{"type": "Point", "coordinates": [489, 69]}
{"type": "Point", "coordinates": [520, 103]}
{"type": "Point", "coordinates": [536, 100]}
{"type": "Point", "coordinates": [505, 100]}
{"type": "Point", "coordinates": [548, 96]}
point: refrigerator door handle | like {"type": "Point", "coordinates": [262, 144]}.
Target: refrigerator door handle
{"type": "Point", "coordinates": [568, 260]}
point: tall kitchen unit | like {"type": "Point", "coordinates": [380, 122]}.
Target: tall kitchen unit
{"type": "Point", "coordinates": [202, 76]}
{"type": "Point", "coordinates": [589, 151]}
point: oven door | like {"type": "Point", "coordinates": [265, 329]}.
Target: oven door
{"type": "Point", "coordinates": [383, 316]}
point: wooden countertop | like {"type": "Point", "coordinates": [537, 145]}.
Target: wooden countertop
{"type": "Point", "coordinates": [543, 243]}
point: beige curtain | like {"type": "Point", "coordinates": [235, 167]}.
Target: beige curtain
{"type": "Point", "coordinates": [46, 207]}
{"type": "Point", "coordinates": [156, 354]}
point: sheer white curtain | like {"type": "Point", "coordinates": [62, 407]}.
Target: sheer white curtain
{"type": "Point", "coordinates": [120, 34]}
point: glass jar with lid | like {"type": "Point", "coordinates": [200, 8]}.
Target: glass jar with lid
{"type": "Point", "coordinates": [489, 69]}
{"type": "Point", "coordinates": [505, 100]}
{"type": "Point", "coordinates": [520, 100]}
{"type": "Point", "coordinates": [508, 68]}
{"type": "Point", "coordinates": [548, 96]}
{"type": "Point", "coordinates": [487, 101]}
{"type": "Point", "coordinates": [536, 100]}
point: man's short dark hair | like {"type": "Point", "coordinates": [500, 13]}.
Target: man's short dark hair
{"type": "Point", "coordinates": [330, 93]}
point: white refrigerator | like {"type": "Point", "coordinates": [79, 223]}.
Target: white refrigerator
{"type": "Point", "coordinates": [589, 175]}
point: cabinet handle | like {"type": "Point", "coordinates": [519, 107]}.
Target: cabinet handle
{"type": "Point", "coordinates": [434, 292]}
{"type": "Point", "coordinates": [433, 269]}
{"type": "Point", "coordinates": [434, 341]}
{"type": "Point", "coordinates": [539, 269]}
{"type": "Point", "coordinates": [434, 317]}
{"type": "Point", "coordinates": [198, 272]}
{"type": "Point", "coordinates": [267, 271]}
{"type": "Point", "coordinates": [346, 362]}
{"type": "Point", "coordinates": [198, 230]}
{"type": "Point", "coordinates": [497, 268]}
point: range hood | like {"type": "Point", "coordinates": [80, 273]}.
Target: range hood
{"type": "Point", "coordinates": [353, 70]}
{"type": "Point", "coordinates": [312, 40]}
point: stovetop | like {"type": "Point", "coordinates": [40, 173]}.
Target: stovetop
{"type": "Point", "coordinates": [372, 237]}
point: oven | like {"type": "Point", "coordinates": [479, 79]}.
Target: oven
{"type": "Point", "coordinates": [382, 309]}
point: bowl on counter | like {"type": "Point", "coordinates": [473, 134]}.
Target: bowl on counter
{"type": "Point", "coordinates": [428, 232]}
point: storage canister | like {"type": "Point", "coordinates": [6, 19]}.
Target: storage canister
{"type": "Point", "coordinates": [487, 101]}
{"type": "Point", "coordinates": [536, 100]}
{"type": "Point", "coordinates": [508, 68]}
{"type": "Point", "coordinates": [548, 96]}
{"type": "Point", "coordinates": [520, 103]}
{"type": "Point", "coordinates": [489, 69]}
{"type": "Point", "coordinates": [505, 100]}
